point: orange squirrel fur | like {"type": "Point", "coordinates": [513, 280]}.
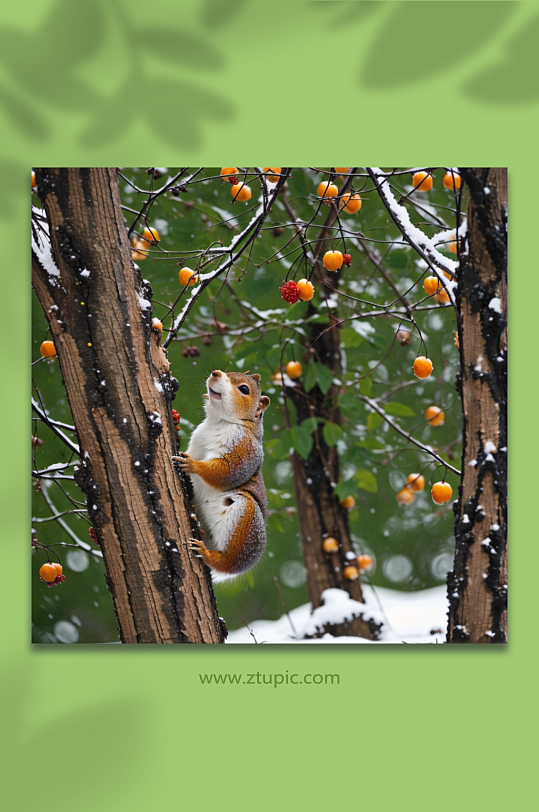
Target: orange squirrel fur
{"type": "Point", "coordinates": [224, 460]}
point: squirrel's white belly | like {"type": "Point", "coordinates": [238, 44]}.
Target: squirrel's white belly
{"type": "Point", "coordinates": [212, 506]}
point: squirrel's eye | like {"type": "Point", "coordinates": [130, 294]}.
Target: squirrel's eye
{"type": "Point", "coordinates": [244, 389]}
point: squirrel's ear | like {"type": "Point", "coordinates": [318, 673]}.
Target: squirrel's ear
{"type": "Point", "coordinates": [263, 405]}
{"type": "Point", "coordinates": [256, 376]}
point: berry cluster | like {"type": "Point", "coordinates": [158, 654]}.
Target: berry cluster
{"type": "Point", "coordinates": [290, 292]}
{"type": "Point", "coordinates": [190, 351]}
{"type": "Point", "coordinates": [176, 418]}
{"type": "Point", "coordinates": [51, 574]}
{"type": "Point", "coordinates": [93, 535]}
{"type": "Point", "coordinates": [346, 260]}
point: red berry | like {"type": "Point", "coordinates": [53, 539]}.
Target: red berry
{"type": "Point", "coordinates": [176, 418]}
{"type": "Point", "coordinates": [290, 292]}
{"type": "Point", "coordinates": [93, 535]}
{"type": "Point", "coordinates": [347, 260]}
{"type": "Point", "coordinates": [233, 180]}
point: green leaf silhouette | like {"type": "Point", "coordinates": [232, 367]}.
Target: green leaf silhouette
{"type": "Point", "coordinates": [181, 48]}
{"type": "Point", "coordinates": [513, 80]}
{"type": "Point", "coordinates": [438, 39]}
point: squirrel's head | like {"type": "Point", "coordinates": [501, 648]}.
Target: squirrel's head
{"type": "Point", "coordinates": [235, 396]}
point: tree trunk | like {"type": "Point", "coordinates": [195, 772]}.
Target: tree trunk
{"type": "Point", "coordinates": [477, 586]}
{"type": "Point", "coordinates": [321, 513]}
{"type": "Point", "coordinates": [119, 390]}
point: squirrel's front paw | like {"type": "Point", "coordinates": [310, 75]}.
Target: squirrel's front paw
{"type": "Point", "coordinates": [184, 462]}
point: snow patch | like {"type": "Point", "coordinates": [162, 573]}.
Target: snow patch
{"type": "Point", "coordinates": [496, 304]}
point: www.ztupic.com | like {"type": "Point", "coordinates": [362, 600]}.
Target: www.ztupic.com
{"type": "Point", "coordinates": [259, 678]}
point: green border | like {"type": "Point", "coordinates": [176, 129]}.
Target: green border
{"type": "Point", "coordinates": [111, 727]}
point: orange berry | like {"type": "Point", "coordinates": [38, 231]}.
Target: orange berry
{"type": "Point", "coordinates": [150, 236]}
{"type": "Point", "coordinates": [140, 250]}
{"type": "Point", "coordinates": [333, 260]}
{"type": "Point", "coordinates": [306, 290]}
{"type": "Point", "coordinates": [441, 492]}
{"type": "Point", "coordinates": [434, 416]}
{"type": "Point", "coordinates": [351, 573]}
{"type": "Point", "coordinates": [364, 562]}
{"type": "Point", "coordinates": [48, 573]}
{"type": "Point", "coordinates": [187, 276]}
{"type": "Point", "coordinates": [229, 170]}
{"type": "Point", "coordinates": [452, 246]}
{"type": "Point", "coordinates": [327, 189]}
{"type": "Point", "coordinates": [293, 369]}
{"type": "Point", "coordinates": [33, 180]}
{"type": "Point", "coordinates": [330, 545]}
{"type": "Point", "coordinates": [452, 180]}
{"type": "Point", "coordinates": [241, 192]}
{"type": "Point", "coordinates": [350, 203]}
{"type": "Point", "coordinates": [156, 325]}
{"type": "Point", "coordinates": [416, 482]}
{"type": "Point", "coordinates": [431, 285]}
{"type": "Point", "coordinates": [405, 496]}
{"type": "Point", "coordinates": [422, 367]}
{"type": "Point", "coordinates": [57, 567]}
{"type": "Point", "coordinates": [457, 339]}
{"type": "Point", "coordinates": [272, 173]}
{"type": "Point", "coordinates": [343, 170]}
{"type": "Point", "coordinates": [442, 297]}
{"type": "Point", "coordinates": [348, 502]}
{"type": "Point", "coordinates": [277, 378]}
{"type": "Point", "coordinates": [422, 181]}
{"type": "Point", "coordinates": [47, 349]}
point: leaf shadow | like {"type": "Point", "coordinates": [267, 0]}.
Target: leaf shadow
{"type": "Point", "coordinates": [513, 80]}
{"type": "Point", "coordinates": [218, 13]}
{"type": "Point", "coordinates": [349, 12]}
{"type": "Point", "coordinates": [421, 25]}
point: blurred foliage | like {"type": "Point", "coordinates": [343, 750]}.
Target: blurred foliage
{"type": "Point", "coordinates": [241, 322]}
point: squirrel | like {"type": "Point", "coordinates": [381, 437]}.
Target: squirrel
{"type": "Point", "coordinates": [224, 460]}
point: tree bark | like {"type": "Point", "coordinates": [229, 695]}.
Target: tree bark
{"type": "Point", "coordinates": [119, 389]}
{"type": "Point", "coordinates": [321, 513]}
{"type": "Point", "coordinates": [477, 586]}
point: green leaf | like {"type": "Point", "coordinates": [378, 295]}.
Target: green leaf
{"type": "Point", "coordinates": [325, 378]}
{"type": "Point", "coordinates": [398, 260]}
{"type": "Point", "coordinates": [243, 350]}
{"type": "Point", "coordinates": [366, 480]}
{"type": "Point", "coordinates": [310, 377]}
{"type": "Point", "coordinates": [370, 442]}
{"type": "Point", "coordinates": [365, 386]}
{"type": "Point", "coordinates": [274, 357]}
{"type": "Point", "coordinates": [347, 488]}
{"type": "Point", "coordinates": [349, 338]}
{"type": "Point", "coordinates": [310, 423]}
{"type": "Point", "coordinates": [398, 409]}
{"type": "Point", "coordinates": [332, 432]}
{"type": "Point", "coordinates": [350, 401]}
{"type": "Point", "coordinates": [373, 421]}
{"type": "Point", "coordinates": [302, 441]}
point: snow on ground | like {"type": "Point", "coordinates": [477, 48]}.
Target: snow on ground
{"type": "Point", "coordinates": [410, 617]}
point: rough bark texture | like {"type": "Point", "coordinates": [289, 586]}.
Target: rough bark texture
{"type": "Point", "coordinates": [120, 391]}
{"type": "Point", "coordinates": [477, 586]}
{"type": "Point", "coordinates": [320, 512]}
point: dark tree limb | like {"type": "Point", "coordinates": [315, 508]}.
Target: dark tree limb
{"type": "Point", "coordinates": [477, 586]}
{"type": "Point", "coordinates": [119, 389]}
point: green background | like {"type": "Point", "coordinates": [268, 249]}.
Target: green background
{"type": "Point", "coordinates": [409, 84]}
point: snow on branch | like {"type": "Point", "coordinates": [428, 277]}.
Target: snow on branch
{"type": "Point", "coordinates": [425, 246]}
{"type": "Point", "coordinates": [243, 240]}
{"type": "Point", "coordinates": [41, 246]}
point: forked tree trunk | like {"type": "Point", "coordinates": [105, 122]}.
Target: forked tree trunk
{"type": "Point", "coordinates": [477, 586]}
{"type": "Point", "coordinates": [320, 512]}
{"type": "Point", "coordinates": [119, 390]}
